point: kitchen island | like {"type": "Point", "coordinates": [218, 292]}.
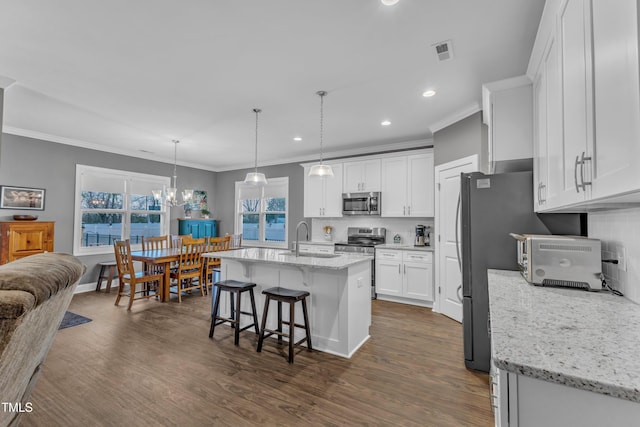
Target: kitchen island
{"type": "Point", "coordinates": [562, 356]}
{"type": "Point", "coordinates": [340, 287]}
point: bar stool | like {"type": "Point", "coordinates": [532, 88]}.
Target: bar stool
{"type": "Point", "coordinates": [109, 266]}
{"type": "Point", "coordinates": [234, 287]}
{"type": "Point", "coordinates": [289, 296]}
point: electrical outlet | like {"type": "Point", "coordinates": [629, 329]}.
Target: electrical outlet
{"type": "Point", "coordinates": [622, 258]}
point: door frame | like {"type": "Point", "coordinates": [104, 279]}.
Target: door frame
{"type": "Point", "coordinates": [473, 159]}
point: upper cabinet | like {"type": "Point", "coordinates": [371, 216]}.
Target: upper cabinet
{"type": "Point", "coordinates": [323, 196]}
{"type": "Point", "coordinates": [408, 185]}
{"type": "Point", "coordinates": [507, 112]}
{"type": "Point", "coordinates": [361, 176]}
{"type": "Point", "coordinates": [586, 105]}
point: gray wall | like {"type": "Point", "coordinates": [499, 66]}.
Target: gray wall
{"type": "Point", "coordinates": [27, 162]}
{"type": "Point", "coordinates": [464, 138]}
{"type": "Point", "coordinates": [225, 194]}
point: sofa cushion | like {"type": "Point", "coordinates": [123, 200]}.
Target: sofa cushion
{"type": "Point", "coordinates": [41, 275]}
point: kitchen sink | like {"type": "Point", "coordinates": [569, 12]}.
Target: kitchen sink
{"type": "Point", "coordinates": [311, 255]}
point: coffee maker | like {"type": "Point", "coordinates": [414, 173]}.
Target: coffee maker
{"type": "Point", "coordinates": [420, 239]}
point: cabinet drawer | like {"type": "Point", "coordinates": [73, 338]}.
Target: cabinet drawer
{"type": "Point", "coordinates": [389, 255]}
{"type": "Point", "coordinates": [415, 256]}
{"type": "Point", "coordinates": [317, 249]}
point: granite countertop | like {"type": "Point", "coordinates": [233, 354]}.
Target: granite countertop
{"type": "Point", "coordinates": [286, 257]}
{"type": "Point", "coordinates": [405, 247]}
{"type": "Point", "coordinates": [586, 340]}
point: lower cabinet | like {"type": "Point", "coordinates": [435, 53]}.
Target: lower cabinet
{"type": "Point", "coordinates": [198, 228]}
{"type": "Point", "coordinates": [404, 276]}
{"type": "Point", "coordinates": [523, 401]}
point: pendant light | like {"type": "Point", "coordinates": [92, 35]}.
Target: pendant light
{"type": "Point", "coordinates": [254, 177]}
{"type": "Point", "coordinates": [169, 195]}
{"type": "Point", "coordinates": [321, 170]}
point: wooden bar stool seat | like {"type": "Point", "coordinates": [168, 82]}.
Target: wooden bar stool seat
{"type": "Point", "coordinates": [234, 287]}
{"type": "Point", "coordinates": [110, 267]}
{"type": "Point", "coordinates": [289, 296]}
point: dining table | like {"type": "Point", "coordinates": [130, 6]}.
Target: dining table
{"type": "Point", "coordinates": [164, 257]}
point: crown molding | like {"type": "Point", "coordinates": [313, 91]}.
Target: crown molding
{"type": "Point", "coordinates": [338, 154]}
{"type": "Point", "coordinates": [98, 147]}
{"type": "Point", "coordinates": [455, 117]}
{"type": "Point", "coordinates": [5, 82]}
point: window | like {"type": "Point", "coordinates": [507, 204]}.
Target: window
{"type": "Point", "coordinates": [112, 205]}
{"type": "Point", "coordinates": [261, 212]}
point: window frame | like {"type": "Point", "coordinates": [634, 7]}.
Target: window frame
{"type": "Point", "coordinates": [128, 180]}
{"type": "Point", "coordinates": [262, 213]}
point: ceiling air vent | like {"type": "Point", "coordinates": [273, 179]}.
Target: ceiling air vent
{"type": "Point", "coordinates": [444, 50]}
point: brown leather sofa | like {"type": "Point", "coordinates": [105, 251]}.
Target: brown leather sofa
{"type": "Point", "coordinates": [34, 294]}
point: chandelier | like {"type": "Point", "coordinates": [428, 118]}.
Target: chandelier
{"type": "Point", "coordinates": [254, 177]}
{"type": "Point", "coordinates": [321, 170]}
{"type": "Point", "coordinates": [169, 195]}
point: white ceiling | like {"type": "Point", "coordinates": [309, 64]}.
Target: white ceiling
{"type": "Point", "coordinates": [129, 76]}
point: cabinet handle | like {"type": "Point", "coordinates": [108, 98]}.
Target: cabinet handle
{"type": "Point", "coordinates": [399, 271]}
{"type": "Point", "coordinates": [543, 192]}
{"type": "Point", "coordinates": [404, 211]}
{"type": "Point", "coordinates": [539, 196]}
{"type": "Point", "coordinates": [409, 210]}
{"type": "Point", "coordinates": [582, 161]}
{"type": "Point", "coordinates": [575, 174]}
{"type": "Point", "coordinates": [405, 269]}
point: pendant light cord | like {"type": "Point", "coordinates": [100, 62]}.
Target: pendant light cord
{"type": "Point", "coordinates": [322, 94]}
{"type": "Point", "coordinates": [257, 111]}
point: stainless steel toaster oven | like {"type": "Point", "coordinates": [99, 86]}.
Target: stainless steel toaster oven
{"type": "Point", "coordinates": [568, 261]}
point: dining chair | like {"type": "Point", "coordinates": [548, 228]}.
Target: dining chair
{"type": "Point", "coordinates": [152, 244]}
{"type": "Point", "coordinates": [236, 241]}
{"type": "Point", "coordinates": [151, 283]}
{"type": "Point", "coordinates": [188, 274]}
{"type": "Point", "coordinates": [175, 240]}
{"type": "Point", "coordinates": [215, 244]}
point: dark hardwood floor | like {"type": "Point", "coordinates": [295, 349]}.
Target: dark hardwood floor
{"type": "Point", "coordinates": [156, 366]}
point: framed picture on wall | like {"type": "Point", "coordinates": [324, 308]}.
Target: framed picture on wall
{"type": "Point", "coordinates": [21, 198]}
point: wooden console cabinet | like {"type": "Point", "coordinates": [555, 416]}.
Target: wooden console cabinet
{"type": "Point", "coordinates": [19, 239]}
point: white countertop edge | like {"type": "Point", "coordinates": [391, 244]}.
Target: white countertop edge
{"type": "Point", "coordinates": [284, 257]}
{"type": "Point", "coordinates": [551, 334]}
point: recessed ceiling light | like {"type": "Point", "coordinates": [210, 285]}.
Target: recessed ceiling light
{"type": "Point", "coordinates": [389, 2]}
{"type": "Point", "coordinates": [297, 139]}
{"type": "Point", "coordinates": [385, 123]}
{"type": "Point", "coordinates": [428, 93]}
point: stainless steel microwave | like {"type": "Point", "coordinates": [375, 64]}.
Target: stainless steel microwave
{"type": "Point", "coordinates": [361, 203]}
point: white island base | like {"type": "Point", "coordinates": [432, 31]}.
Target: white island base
{"type": "Point", "coordinates": [339, 305]}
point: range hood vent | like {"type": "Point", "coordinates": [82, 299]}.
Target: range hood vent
{"type": "Point", "coordinates": [444, 50]}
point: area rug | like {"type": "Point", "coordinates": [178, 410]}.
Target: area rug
{"type": "Point", "coordinates": [71, 319]}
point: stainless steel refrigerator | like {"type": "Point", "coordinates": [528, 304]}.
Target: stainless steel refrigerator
{"type": "Point", "coordinates": [492, 206]}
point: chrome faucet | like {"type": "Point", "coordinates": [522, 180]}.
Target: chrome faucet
{"type": "Point", "coordinates": [297, 239]}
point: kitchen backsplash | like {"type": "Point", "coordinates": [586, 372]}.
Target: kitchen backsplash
{"type": "Point", "coordinates": [615, 229]}
{"type": "Point", "coordinates": [405, 227]}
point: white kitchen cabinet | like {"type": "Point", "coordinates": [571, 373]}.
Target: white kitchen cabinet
{"type": "Point", "coordinates": [408, 186]}
{"type": "Point", "coordinates": [523, 401]}
{"type": "Point", "coordinates": [389, 272]}
{"type": "Point", "coordinates": [507, 112]}
{"type": "Point", "coordinates": [616, 155]}
{"type": "Point", "coordinates": [323, 196]}
{"type": "Point", "coordinates": [404, 276]}
{"type": "Point", "coordinates": [547, 109]}
{"type": "Point", "coordinates": [594, 163]}
{"type": "Point", "coordinates": [577, 99]}
{"type": "Point", "coordinates": [361, 176]}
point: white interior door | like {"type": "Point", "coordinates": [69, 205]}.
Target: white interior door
{"type": "Point", "coordinates": [448, 285]}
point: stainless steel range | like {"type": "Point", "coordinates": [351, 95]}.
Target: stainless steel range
{"type": "Point", "coordinates": [363, 240]}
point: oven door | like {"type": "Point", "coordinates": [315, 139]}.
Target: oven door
{"type": "Point", "coordinates": [355, 204]}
